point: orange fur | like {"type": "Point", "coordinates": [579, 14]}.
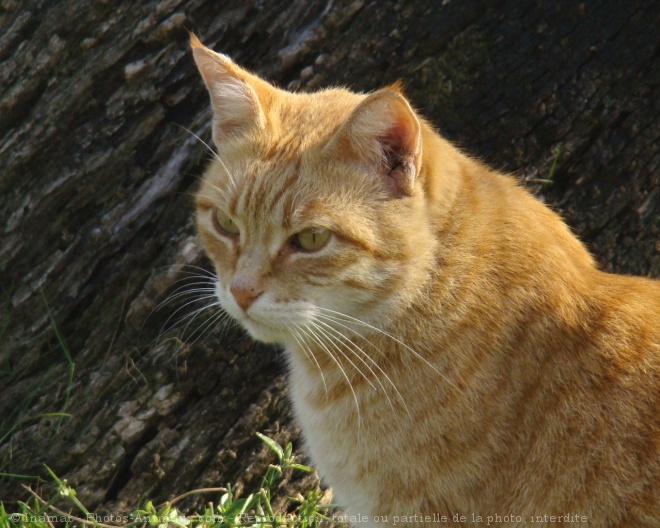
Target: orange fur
{"type": "Point", "coordinates": [453, 349]}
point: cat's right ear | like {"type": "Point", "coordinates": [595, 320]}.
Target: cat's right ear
{"type": "Point", "coordinates": [236, 106]}
{"type": "Point", "coordinates": [383, 132]}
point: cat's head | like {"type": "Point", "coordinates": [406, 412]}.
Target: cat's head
{"type": "Point", "coordinates": [313, 210]}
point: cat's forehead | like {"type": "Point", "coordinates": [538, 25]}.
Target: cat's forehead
{"type": "Point", "coordinates": [262, 191]}
{"type": "Point", "coordinates": [282, 193]}
{"type": "Point", "coordinates": [299, 121]}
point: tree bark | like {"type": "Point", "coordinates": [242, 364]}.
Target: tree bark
{"type": "Point", "coordinates": [96, 209]}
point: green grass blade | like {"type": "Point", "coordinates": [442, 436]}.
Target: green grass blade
{"type": "Point", "coordinates": [277, 448]}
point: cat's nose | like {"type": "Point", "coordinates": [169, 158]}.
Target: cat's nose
{"type": "Point", "coordinates": [245, 294]}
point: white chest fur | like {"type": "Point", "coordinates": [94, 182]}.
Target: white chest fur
{"type": "Point", "coordinates": [331, 439]}
{"type": "Point", "coordinates": [353, 452]}
{"type": "Point", "coordinates": [391, 460]}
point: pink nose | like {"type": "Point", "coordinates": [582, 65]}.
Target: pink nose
{"type": "Point", "coordinates": [245, 295]}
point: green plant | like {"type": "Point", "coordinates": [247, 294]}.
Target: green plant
{"type": "Point", "coordinates": [253, 511]}
{"type": "Point", "coordinates": [7, 427]}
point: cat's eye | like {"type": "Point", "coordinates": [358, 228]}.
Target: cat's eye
{"type": "Point", "coordinates": [225, 224]}
{"type": "Point", "coordinates": [312, 238]}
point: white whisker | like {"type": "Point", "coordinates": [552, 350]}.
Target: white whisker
{"type": "Point", "coordinates": [192, 315]}
{"type": "Point", "coordinates": [358, 349]}
{"type": "Point", "coordinates": [215, 155]}
{"type": "Point", "coordinates": [295, 332]}
{"type": "Point", "coordinates": [341, 368]}
{"type": "Point", "coordinates": [195, 276]}
{"type": "Point", "coordinates": [195, 300]}
{"type": "Point", "coordinates": [212, 321]}
{"type": "Point", "coordinates": [336, 347]}
{"type": "Point", "coordinates": [205, 271]}
{"type": "Point", "coordinates": [174, 296]}
{"type": "Point", "coordinates": [349, 319]}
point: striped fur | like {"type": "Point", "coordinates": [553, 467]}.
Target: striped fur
{"type": "Point", "coordinates": [453, 349]}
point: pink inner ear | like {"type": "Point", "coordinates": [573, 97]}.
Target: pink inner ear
{"type": "Point", "coordinates": [399, 146]}
{"type": "Point", "coordinates": [401, 135]}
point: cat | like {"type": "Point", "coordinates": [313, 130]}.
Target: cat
{"type": "Point", "coordinates": [455, 357]}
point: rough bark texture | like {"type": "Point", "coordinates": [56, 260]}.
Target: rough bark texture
{"type": "Point", "coordinates": [96, 213]}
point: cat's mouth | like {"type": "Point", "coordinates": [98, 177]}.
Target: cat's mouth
{"type": "Point", "coordinates": [264, 320]}
{"type": "Point", "coordinates": [260, 328]}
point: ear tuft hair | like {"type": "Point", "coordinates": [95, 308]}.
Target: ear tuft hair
{"type": "Point", "coordinates": [194, 41]}
{"type": "Point", "coordinates": [396, 86]}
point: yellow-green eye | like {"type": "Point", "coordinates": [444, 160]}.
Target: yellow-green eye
{"type": "Point", "coordinates": [224, 224]}
{"type": "Point", "coordinates": [312, 238]}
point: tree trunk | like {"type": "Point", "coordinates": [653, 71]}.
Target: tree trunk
{"type": "Point", "coordinates": [96, 209]}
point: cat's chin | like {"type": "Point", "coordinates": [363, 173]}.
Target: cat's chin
{"type": "Point", "coordinates": [264, 333]}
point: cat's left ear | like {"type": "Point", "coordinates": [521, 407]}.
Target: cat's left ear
{"type": "Point", "coordinates": [236, 105]}
{"type": "Point", "coordinates": [383, 132]}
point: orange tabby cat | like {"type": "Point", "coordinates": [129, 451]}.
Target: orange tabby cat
{"type": "Point", "coordinates": [455, 356]}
